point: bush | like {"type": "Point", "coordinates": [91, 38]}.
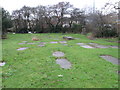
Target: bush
{"type": "Point", "coordinates": [106, 31]}
{"type": "Point", "coordinates": [77, 28]}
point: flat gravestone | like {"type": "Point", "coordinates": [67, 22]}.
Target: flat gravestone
{"type": "Point", "coordinates": [58, 54]}
{"type": "Point", "coordinates": [53, 42]}
{"type": "Point", "coordinates": [84, 45]}
{"type": "Point", "coordinates": [41, 45]}
{"type": "Point", "coordinates": [68, 38]}
{"type": "Point", "coordinates": [23, 48]}
{"type": "Point", "coordinates": [87, 46]}
{"type": "Point", "coordinates": [80, 43]}
{"type": "Point", "coordinates": [2, 63]}
{"type": "Point", "coordinates": [62, 42]}
{"type": "Point", "coordinates": [98, 46]}
{"type": "Point", "coordinates": [42, 42]}
{"type": "Point", "coordinates": [113, 46]}
{"type": "Point", "coordinates": [64, 63]}
{"type": "Point", "coordinates": [110, 59]}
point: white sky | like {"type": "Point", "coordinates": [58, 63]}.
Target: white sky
{"type": "Point", "coordinates": [11, 5]}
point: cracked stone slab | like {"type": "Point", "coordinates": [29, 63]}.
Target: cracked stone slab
{"type": "Point", "coordinates": [110, 59]}
{"type": "Point", "coordinates": [98, 46]}
{"type": "Point", "coordinates": [2, 63]}
{"type": "Point", "coordinates": [22, 48]}
{"type": "Point", "coordinates": [84, 45]}
{"type": "Point", "coordinates": [64, 63]}
{"type": "Point", "coordinates": [58, 54]}
{"type": "Point", "coordinates": [62, 42]}
{"type": "Point", "coordinates": [53, 42]}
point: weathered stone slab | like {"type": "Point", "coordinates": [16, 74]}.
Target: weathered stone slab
{"type": "Point", "coordinates": [84, 45]}
{"type": "Point", "coordinates": [98, 46]}
{"type": "Point", "coordinates": [68, 38]}
{"type": "Point", "coordinates": [2, 63]}
{"type": "Point", "coordinates": [113, 46]}
{"type": "Point", "coordinates": [53, 42]}
{"type": "Point", "coordinates": [110, 59]}
{"type": "Point", "coordinates": [80, 43]}
{"type": "Point", "coordinates": [62, 42]}
{"type": "Point", "coordinates": [87, 46]}
{"type": "Point", "coordinates": [58, 54]}
{"type": "Point", "coordinates": [42, 42]}
{"type": "Point", "coordinates": [64, 63]}
{"type": "Point", "coordinates": [22, 48]}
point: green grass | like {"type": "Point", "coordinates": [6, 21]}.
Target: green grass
{"type": "Point", "coordinates": [35, 67]}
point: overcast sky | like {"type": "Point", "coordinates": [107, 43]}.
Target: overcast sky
{"type": "Point", "coordinates": [11, 5]}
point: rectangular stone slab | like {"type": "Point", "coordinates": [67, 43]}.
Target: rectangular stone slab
{"type": "Point", "coordinates": [84, 45]}
{"type": "Point", "coordinates": [64, 63]}
{"type": "Point", "coordinates": [110, 59]}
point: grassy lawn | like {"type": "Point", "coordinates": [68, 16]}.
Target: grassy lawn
{"type": "Point", "coordinates": [35, 67]}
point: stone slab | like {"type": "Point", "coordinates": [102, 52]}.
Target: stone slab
{"type": "Point", "coordinates": [53, 42]}
{"type": "Point", "coordinates": [62, 42]}
{"type": "Point", "coordinates": [110, 59]}
{"type": "Point", "coordinates": [84, 45]}
{"type": "Point", "coordinates": [58, 54]}
{"type": "Point", "coordinates": [22, 48]}
{"type": "Point", "coordinates": [64, 63]}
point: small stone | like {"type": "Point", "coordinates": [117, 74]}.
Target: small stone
{"type": "Point", "coordinates": [60, 75]}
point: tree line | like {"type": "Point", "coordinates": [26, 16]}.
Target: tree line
{"type": "Point", "coordinates": [61, 18]}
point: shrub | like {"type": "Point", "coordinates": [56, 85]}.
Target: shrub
{"type": "Point", "coordinates": [106, 31]}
